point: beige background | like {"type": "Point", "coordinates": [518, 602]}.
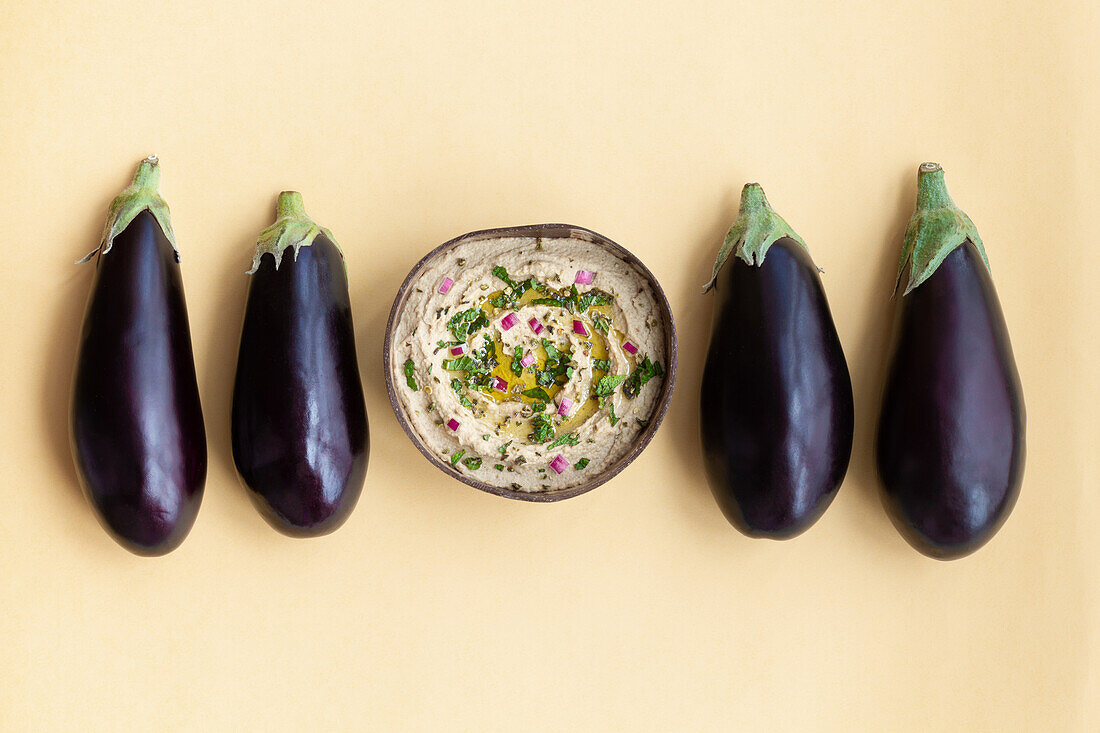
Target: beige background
{"type": "Point", "coordinates": [633, 607]}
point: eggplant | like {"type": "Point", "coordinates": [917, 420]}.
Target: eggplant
{"type": "Point", "coordinates": [299, 422]}
{"type": "Point", "coordinates": [950, 439]}
{"type": "Point", "coordinates": [776, 411]}
{"type": "Point", "coordinates": [136, 427]}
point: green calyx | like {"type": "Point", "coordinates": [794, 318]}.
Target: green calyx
{"type": "Point", "coordinates": [292, 228]}
{"type": "Point", "coordinates": [757, 227]}
{"type": "Point", "coordinates": [143, 193]}
{"type": "Point", "coordinates": [936, 229]}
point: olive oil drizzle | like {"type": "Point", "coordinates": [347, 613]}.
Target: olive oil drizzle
{"type": "Point", "coordinates": [595, 345]}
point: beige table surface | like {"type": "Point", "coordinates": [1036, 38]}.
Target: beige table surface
{"type": "Point", "coordinates": [635, 607]}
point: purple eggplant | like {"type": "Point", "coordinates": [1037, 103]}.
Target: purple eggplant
{"type": "Point", "coordinates": [299, 424]}
{"type": "Point", "coordinates": [950, 443]}
{"type": "Point", "coordinates": [136, 426]}
{"type": "Point", "coordinates": [776, 412]}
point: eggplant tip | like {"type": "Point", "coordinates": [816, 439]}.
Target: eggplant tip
{"type": "Point", "coordinates": [929, 167]}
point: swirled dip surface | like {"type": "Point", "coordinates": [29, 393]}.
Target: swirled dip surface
{"type": "Point", "coordinates": [529, 363]}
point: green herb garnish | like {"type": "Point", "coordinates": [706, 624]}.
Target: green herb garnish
{"type": "Point", "coordinates": [604, 365]}
{"type": "Point", "coordinates": [410, 378]}
{"type": "Point", "coordinates": [536, 393]}
{"type": "Point", "coordinates": [473, 463]}
{"type": "Point", "coordinates": [552, 353]}
{"type": "Point", "coordinates": [463, 400]}
{"type": "Point", "coordinates": [581, 464]}
{"type": "Point", "coordinates": [456, 456]}
{"type": "Point", "coordinates": [567, 439]}
{"type": "Point", "coordinates": [642, 373]}
{"type": "Point", "coordinates": [607, 384]}
{"type": "Point", "coordinates": [543, 428]}
{"type": "Point", "coordinates": [463, 323]}
{"type": "Point", "coordinates": [515, 289]}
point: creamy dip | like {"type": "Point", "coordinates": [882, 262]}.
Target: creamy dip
{"type": "Point", "coordinates": [529, 363]}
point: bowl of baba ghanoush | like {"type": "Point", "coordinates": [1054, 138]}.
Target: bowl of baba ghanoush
{"type": "Point", "coordinates": [531, 362]}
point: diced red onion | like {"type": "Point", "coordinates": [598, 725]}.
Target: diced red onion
{"type": "Point", "coordinates": [452, 424]}
{"type": "Point", "coordinates": [629, 347]}
{"type": "Point", "coordinates": [535, 325]}
{"type": "Point", "coordinates": [500, 385]}
{"type": "Point", "coordinates": [559, 463]}
{"type": "Point", "coordinates": [565, 406]}
{"type": "Point", "coordinates": [446, 284]}
{"type": "Point", "coordinates": [528, 359]}
{"type": "Point", "coordinates": [578, 327]}
{"type": "Point", "coordinates": [509, 321]}
{"type": "Point", "coordinates": [584, 277]}
{"type": "Point", "coordinates": [458, 350]}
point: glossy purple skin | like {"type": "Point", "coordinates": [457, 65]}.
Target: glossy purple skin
{"type": "Point", "coordinates": [776, 412]}
{"type": "Point", "coordinates": [136, 427]}
{"type": "Point", "coordinates": [300, 436]}
{"type": "Point", "coordinates": [950, 448]}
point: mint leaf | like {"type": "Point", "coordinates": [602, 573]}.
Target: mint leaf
{"type": "Point", "coordinates": [410, 379]}
{"type": "Point", "coordinates": [607, 384]}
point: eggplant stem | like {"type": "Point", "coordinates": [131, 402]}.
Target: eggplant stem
{"type": "Point", "coordinates": [142, 193]}
{"type": "Point", "coordinates": [292, 228]}
{"type": "Point", "coordinates": [290, 205]}
{"type": "Point", "coordinates": [937, 228]}
{"type": "Point", "coordinates": [757, 228]}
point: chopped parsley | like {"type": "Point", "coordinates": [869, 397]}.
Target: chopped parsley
{"type": "Point", "coordinates": [595, 296]}
{"type": "Point", "coordinates": [463, 323]}
{"type": "Point", "coordinates": [604, 365]}
{"type": "Point", "coordinates": [552, 353]}
{"type": "Point", "coordinates": [536, 393]}
{"type": "Point", "coordinates": [542, 427]}
{"type": "Point", "coordinates": [601, 323]}
{"type": "Point", "coordinates": [477, 365]}
{"type": "Point", "coordinates": [444, 344]}
{"type": "Point", "coordinates": [473, 463]}
{"type": "Point", "coordinates": [515, 290]}
{"type": "Point", "coordinates": [642, 373]}
{"type": "Point", "coordinates": [566, 439]}
{"type": "Point", "coordinates": [516, 367]}
{"type": "Point", "coordinates": [581, 464]}
{"type": "Point", "coordinates": [456, 456]}
{"type": "Point", "coordinates": [410, 378]}
{"type": "Point", "coordinates": [463, 400]}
